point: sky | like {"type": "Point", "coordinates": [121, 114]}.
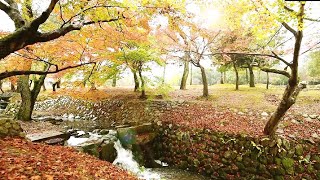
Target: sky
{"type": "Point", "coordinates": [209, 15]}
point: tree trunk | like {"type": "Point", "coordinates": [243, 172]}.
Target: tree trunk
{"type": "Point", "coordinates": [54, 87]}
{"type": "Point", "coordinates": [252, 84]}
{"type": "Point", "coordinates": [183, 85]}
{"type": "Point", "coordinates": [27, 104]}
{"type": "Point", "coordinates": [59, 83]}
{"type": "Point", "coordinates": [247, 77]}
{"type": "Point", "coordinates": [221, 78]}
{"type": "Point", "coordinates": [204, 82]}
{"type": "Point", "coordinates": [293, 89]}
{"type": "Point", "coordinates": [225, 76]}
{"type": "Point", "coordinates": [44, 87]}
{"type": "Point", "coordinates": [143, 91]}
{"type": "Point", "coordinates": [93, 86]}
{"type": "Point", "coordinates": [267, 80]}
{"type": "Point", "coordinates": [237, 75]}
{"type": "Point", "coordinates": [28, 97]}
{"type": "Point", "coordinates": [259, 76]}
{"type": "Point", "coordinates": [13, 89]}
{"type": "Point", "coordinates": [136, 81]}
{"type": "Point", "coordinates": [190, 73]}
{"type": "Point", "coordinates": [114, 81]}
{"type": "Point", "coordinates": [1, 86]}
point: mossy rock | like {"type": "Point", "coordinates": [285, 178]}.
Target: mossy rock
{"type": "Point", "coordinates": [252, 170]}
{"type": "Point", "coordinates": [310, 168]}
{"type": "Point", "coordinates": [278, 161]}
{"type": "Point", "coordinates": [279, 177]}
{"type": "Point", "coordinates": [227, 154]}
{"type": "Point", "coordinates": [299, 168]}
{"type": "Point", "coordinates": [282, 154]}
{"type": "Point", "coordinates": [299, 150]}
{"type": "Point", "coordinates": [280, 171]}
{"type": "Point", "coordinates": [2, 121]}
{"type": "Point", "coordinates": [239, 165]}
{"type": "Point", "coordinates": [290, 171]}
{"type": "Point", "coordinates": [318, 175]}
{"type": "Point", "coordinates": [286, 144]}
{"type": "Point", "coordinates": [315, 158]}
{"type": "Point", "coordinates": [287, 163]}
{"type": "Point", "coordinates": [3, 131]}
{"type": "Point", "coordinates": [317, 165]}
{"type": "Point", "coordinates": [7, 125]}
{"type": "Point", "coordinates": [262, 169]}
{"type": "Point", "coordinates": [263, 159]}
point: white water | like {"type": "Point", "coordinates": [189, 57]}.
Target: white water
{"type": "Point", "coordinates": [125, 160]}
{"type": "Point", "coordinates": [124, 157]}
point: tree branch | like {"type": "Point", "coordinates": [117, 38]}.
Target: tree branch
{"type": "Point", "coordinates": [276, 71]}
{"type": "Point", "coordinates": [289, 28]}
{"type": "Point", "coordinates": [281, 59]}
{"type": "Point", "coordinates": [16, 73]}
{"type": "Point", "coordinates": [13, 12]}
{"type": "Point", "coordinates": [44, 16]}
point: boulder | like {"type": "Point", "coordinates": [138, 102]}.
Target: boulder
{"type": "Point", "coordinates": [100, 147]}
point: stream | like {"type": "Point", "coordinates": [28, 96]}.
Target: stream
{"type": "Point", "coordinates": [126, 161]}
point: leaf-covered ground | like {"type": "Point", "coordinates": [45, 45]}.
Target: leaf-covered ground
{"type": "Point", "coordinates": [243, 111]}
{"type": "Point", "coordinates": [241, 122]}
{"type": "Point", "coordinates": [20, 159]}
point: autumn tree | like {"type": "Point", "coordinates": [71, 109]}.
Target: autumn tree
{"type": "Point", "coordinates": [60, 18]}
{"type": "Point", "coordinates": [136, 56]}
{"type": "Point", "coordinates": [291, 16]}
{"type": "Point", "coordinates": [314, 64]}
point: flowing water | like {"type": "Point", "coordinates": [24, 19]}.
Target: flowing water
{"type": "Point", "coordinates": [126, 161]}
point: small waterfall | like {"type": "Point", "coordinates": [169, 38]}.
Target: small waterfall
{"type": "Point", "coordinates": [125, 160]}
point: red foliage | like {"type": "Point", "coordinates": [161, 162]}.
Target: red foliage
{"type": "Point", "coordinates": [21, 159]}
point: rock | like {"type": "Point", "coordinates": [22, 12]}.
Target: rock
{"type": "Point", "coordinates": [308, 119]}
{"type": "Point", "coordinates": [286, 144]}
{"type": "Point", "coordinates": [295, 121]}
{"type": "Point", "coordinates": [3, 131]}
{"type": "Point", "coordinates": [241, 113]}
{"type": "Point", "coordinates": [227, 154]}
{"type": "Point", "coordinates": [7, 125]}
{"type": "Point", "coordinates": [108, 152]}
{"type": "Point", "coordinates": [127, 136]}
{"type": "Point", "coordinates": [2, 121]}
{"type": "Point", "coordinates": [305, 115]}
{"type": "Point", "coordinates": [287, 163]}
{"type": "Point", "coordinates": [264, 114]}
{"type": "Point", "coordinates": [16, 126]}
{"type": "Point", "coordinates": [315, 135]}
{"type": "Point", "coordinates": [104, 132]}
{"type": "Point", "coordinates": [313, 116]}
{"type": "Point", "coordinates": [280, 131]}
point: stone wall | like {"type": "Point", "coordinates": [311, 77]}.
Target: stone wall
{"type": "Point", "coordinates": [108, 113]}
{"type": "Point", "coordinates": [10, 127]}
{"type": "Point", "coordinates": [228, 156]}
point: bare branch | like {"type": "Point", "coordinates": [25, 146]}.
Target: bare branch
{"type": "Point", "coordinates": [311, 19]}
{"type": "Point", "coordinates": [290, 10]}
{"type": "Point", "coordinates": [44, 16]}
{"type": "Point", "coordinates": [13, 12]}
{"type": "Point", "coordinates": [276, 71]}
{"type": "Point", "coordinates": [312, 48]}
{"type": "Point", "coordinates": [16, 73]}
{"type": "Point", "coordinates": [289, 28]}
{"type": "Point", "coordinates": [281, 59]}
{"type": "Point", "coordinates": [36, 59]}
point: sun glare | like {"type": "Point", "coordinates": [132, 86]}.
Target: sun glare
{"type": "Point", "coordinates": [211, 17]}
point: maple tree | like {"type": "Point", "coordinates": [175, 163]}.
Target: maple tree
{"type": "Point", "coordinates": [58, 20]}
{"type": "Point", "coordinates": [286, 13]}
